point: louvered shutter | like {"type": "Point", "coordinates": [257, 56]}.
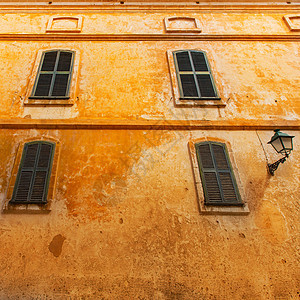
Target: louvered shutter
{"type": "Point", "coordinates": [216, 174]}
{"type": "Point", "coordinates": [34, 172]}
{"type": "Point", "coordinates": [43, 85]}
{"type": "Point", "coordinates": [62, 74]}
{"type": "Point", "coordinates": [199, 61]}
{"type": "Point", "coordinates": [26, 173]}
{"type": "Point", "coordinates": [194, 75]}
{"type": "Point", "coordinates": [53, 79]}
{"type": "Point", "coordinates": [187, 78]}
{"type": "Point", "coordinates": [183, 61]}
{"type": "Point", "coordinates": [189, 87]}
{"type": "Point", "coordinates": [205, 85]}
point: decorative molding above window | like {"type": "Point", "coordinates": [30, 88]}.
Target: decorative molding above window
{"type": "Point", "coordinates": [293, 22]}
{"type": "Point", "coordinates": [182, 24]}
{"type": "Point", "coordinates": [54, 78]}
{"type": "Point", "coordinates": [216, 178]}
{"type": "Point", "coordinates": [64, 24]}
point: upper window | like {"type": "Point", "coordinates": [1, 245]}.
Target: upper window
{"type": "Point", "coordinates": [194, 76]}
{"type": "Point", "coordinates": [34, 173]}
{"type": "Point", "coordinates": [219, 184]}
{"type": "Point", "coordinates": [54, 75]}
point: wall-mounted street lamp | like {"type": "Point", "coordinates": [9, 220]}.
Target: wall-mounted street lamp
{"type": "Point", "coordinates": [283, 144]}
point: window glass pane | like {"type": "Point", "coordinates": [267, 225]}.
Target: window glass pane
{"type": "Point", "coordinates": [60, 85]}
{"type": "Point", "coordinates": [188, 85]}
{"type": "Point", "coordinates": [205, 85]}
{"type": "Point", "coordinates": [199, 61]}
{"type": "Point", "coordinates": [43, 85]}
{"type": "Point", "coordinates": [49, 61]}
{"type": "Point", "coordinates": [183, 61]}
{"type": "Point", "coordinates": [64, 62]}
{"type": "Point", "coordinates": [288, 142]}
{"type": "Point", "coordinates": [277, 145]}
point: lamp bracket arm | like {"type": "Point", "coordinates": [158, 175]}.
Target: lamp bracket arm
{"type": "Point", "coordinates": [273, 167]}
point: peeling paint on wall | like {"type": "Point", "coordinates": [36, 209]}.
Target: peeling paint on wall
{"type": "Point", "coordinates": [124, 221]}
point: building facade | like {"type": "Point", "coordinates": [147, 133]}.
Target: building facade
{"type": "Point", "coordinates": [134, 153]}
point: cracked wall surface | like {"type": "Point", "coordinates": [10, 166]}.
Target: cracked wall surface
{"type": "Point", "coordinates": [124, 219]}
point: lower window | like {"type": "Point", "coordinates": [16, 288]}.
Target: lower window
{"type": "Point", "coordinates": [218, 181]}
{"type": "Point", "coordinates": [34, 172]}
{"type": "Point", "coordinates": [216, 185]}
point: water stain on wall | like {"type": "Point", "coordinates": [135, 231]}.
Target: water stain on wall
{"type": "Point", "coordinates": [55, 247]}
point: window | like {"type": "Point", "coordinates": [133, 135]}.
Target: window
{"type": "Point", "coordinates": [33, 177]}
{"type": "Point", "coordinates": [194, 76]}
{"type": "Point", "coordinates": [54, 75]}
{"type": "Point", "coordinates": [216, 174]}
{"type": "Point", "coordinates": [218, 186]}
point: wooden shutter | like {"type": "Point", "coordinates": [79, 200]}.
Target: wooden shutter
{"type": "Point", "coordinates": [53, 78]}
{"type": "Point", "coordinates": [62, 74]}
{"type": "Point", "coordinates": [194, 75]}
{"type": "Point", "coordinates": [183, 61]}
{"type": "Point", "coordinates": [218, 180]}
{"type": "Point", "coordinates": [34, 172]}
{"type": "Point", "coordinates": [199, 61]}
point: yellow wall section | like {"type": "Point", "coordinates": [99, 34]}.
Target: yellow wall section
{"type": "Point", "coordinates": [134, 82]}
{"type": "Point", "coordinates": [125, 220]}
{"type": "Point", "coordinates": [151, 22]}
{"type": "Point", "coordinates": [115, 207]}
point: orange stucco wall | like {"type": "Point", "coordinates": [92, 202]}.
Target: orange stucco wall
{"type": "Point", "coordinates": [124, 220]}
{"type": "Point", "coordinates": [261, 82]}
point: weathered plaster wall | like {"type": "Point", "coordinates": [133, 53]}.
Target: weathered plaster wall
{"type": "Point", "coordinates": [151, 22]}
{"type": "Point", "coordinates": [124, 220]}
{"type": "Point", "coordinates": [133, 81]}
{"type": "Point", "coordinates": [125, 223]}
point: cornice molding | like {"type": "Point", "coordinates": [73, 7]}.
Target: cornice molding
{"type": "Point", "coordinates": [131, 7]}
{"type": "Point", "coordinates": [148, 37]}
{"type": "Point", "coordinates": [93, 124]}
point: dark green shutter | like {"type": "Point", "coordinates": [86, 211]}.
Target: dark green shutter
{"type": "Point", "coordinates": [62, 74]}
{"type": "Point", "coordinates": [53, 78]}
{"type": "Point", "coordinates": [34, 173]}
{"type": "Point", "coordinates": [205, 85]}
{"type": "Point", "coordinates": [218, 180]}
{"type": "Point", "coordinates": [183, 61]}
{"type": "Point", "coordinates": [199, 61]}
{"type": "Point", "coordinates": [194, 75]}
{"type": "Point", "coordinates": [188, 85]}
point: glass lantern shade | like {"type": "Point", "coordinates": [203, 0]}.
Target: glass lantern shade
{"type": "Point", "coordinates": [282, 142]}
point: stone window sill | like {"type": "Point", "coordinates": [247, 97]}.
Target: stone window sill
{"type": "Point", "coordinates": [48, 102]}
{"type": "Point", "coordinates": [29, 208]}
{"type": "Point", "coordinates": [215, 102]}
